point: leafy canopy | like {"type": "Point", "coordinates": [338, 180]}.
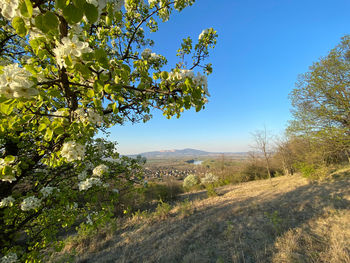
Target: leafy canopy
{"type": "Point", "coordinates": [70, 69]}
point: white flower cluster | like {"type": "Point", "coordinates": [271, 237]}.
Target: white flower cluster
{"type": "Point", "coordinates": [9, 258]}
{"type": "Point", "coordinates": [149, 56]}
{"type": "Point", "coordinates": [15, 82]}
{"type": "Point", "coordinates": [100, 170]}
{"type": "Point", "coordinates": [30, 203]}
{"type": "Point", "coordinates": [190, 181]}
{"type": "Point", "coordinates": [82, 176]}
{"type": "Point", "coordinates": [73, 151]}
{"type": "Point", "coordinates": [90, 116]}
{"type": "Point", "coordinates": [89, 220]}
{"type": "Point", "coordinates": [182, 74]}
{"type": "Point", "coordinates": [88, 183]}
{"type": "Point", "coordinates": [8, 177]}
{"type": "Point", "coordinates": [74, 48]}
{"type": "Point", "coordinates": [209, 178]}
{"type": "Point", "coordinates": [61, 113]}
{"type": "Point", "coordinates": [48, 190]}
{"type": "Point", "coordinates": [101, 4]}
{"type": "Point", "coordinates": [204, 32]}
{"type": "Point", "coordinates": [7, 201]}
{"type": "Point", "coordinates": [152, 3]}
{"type": "Point", "coordinates": [72, 206]}
{"type": "Point", "coordinates": [9, 8]}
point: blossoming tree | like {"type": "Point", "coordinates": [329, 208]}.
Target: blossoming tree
{"type": "Point", "coordinates": [70, 69]}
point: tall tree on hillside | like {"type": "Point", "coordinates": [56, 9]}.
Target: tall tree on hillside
{"type": "Point", "coordinates": [321, 102]}
{"type": "Point", "coordinates": [262, 144]}
{"type": "Point", "coordinates": [70, 69]}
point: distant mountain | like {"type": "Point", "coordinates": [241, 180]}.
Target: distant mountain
{"type": "Point", "coordinates": [183, 153]}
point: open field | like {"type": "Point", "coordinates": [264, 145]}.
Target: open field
{"type": "Point", "coordinates": [286, 219]}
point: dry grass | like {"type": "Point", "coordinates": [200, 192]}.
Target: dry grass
{"type": "Point", "coordinates": [287, 219]}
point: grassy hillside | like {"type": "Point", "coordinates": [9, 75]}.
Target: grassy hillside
{"type": "Point", "coordinates": [286, 219]}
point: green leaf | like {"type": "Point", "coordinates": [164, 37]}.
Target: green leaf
{"type": "Point", "coordinates": [6, 108]}
{"type": "Point", "coordinates": [73, 14]}
{"type": "Point", "coordinates": [50, 20]}
{"type": "Point", "coordinates": [98, 86]}
{"type": "Point", "coordinates": [59, 130]}
{"type": "Point", "coordinates": [61, 3]}
{"type": "Point", "coordinates": [48, 135]}
{"type": "Point", "coordinates": [20, 26]}
{"type": "Point", "coordinates": [91, 12]}
{"type": "Point", "coordinates": [9, 159]}
{"type": "Point", "coordinates": [108, 88]}
{"type": "Point", "coordinates": [40, 23]}
{"type": "Point", "coordinates": [90, 93]}
{"type": "Point", "coordinates": [97, 102]}
{"type": "Point", "coordinates": [7, 170]}
{"type": "Point", "coordinates": [42, 127]}
{"type": "Point", "coordinates": [115, 108]}
{"type": "Point", "coordinates": [79, 3]}
{"type": "Point", "coordinates": [29, 7]}
{"type": "Point", "coordinates": [83, 69]}
{"type": "Point", "coordinates": [26, 8]}
{"type": "Point", "coordinates": [100, 54]}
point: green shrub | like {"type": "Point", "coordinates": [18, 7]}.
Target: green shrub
{"type": "Point", "coordinates": [191, 181]}
{"type": "Point", "coordinates": [253, 172]}
{"type": "Point", "coordinates": [306, 169]}
{"type": "Point", "coordinates": [209, 178]}
{"type": "Point", "coordinates": [166, 192]}
{"type": "Point", "coordinates": [185, 208]}
{"type": "Point", "coordinates": [211, 190]}
{"type": "Point", "coordinates": [162, 210]}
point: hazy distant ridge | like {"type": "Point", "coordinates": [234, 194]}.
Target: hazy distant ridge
{"type": "Point", "coordinates": [184, 152]}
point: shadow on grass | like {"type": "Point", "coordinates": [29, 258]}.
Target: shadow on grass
{"type": "Point", "coordinates": [229, 230]}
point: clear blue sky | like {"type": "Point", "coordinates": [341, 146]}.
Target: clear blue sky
{"type": "Point", "coordinates": [262, 47]}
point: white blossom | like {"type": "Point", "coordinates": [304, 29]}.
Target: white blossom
{"type": "Point", "coordinates": [204, 32]}
{"type": "Point", "coordinates": [90, 116]}
{"type": "Point", "coordinates": [8, 178]}
{"type": "Point", "coordinates": [9, 8]}
{"type": "Point", "coordinates": [100, 170]}
{"type": "Point", "coordinates": [30, 203]}
{"type": "Point", "coordinates": [89, 220]}
{"type": "Point", "coordinates": [209, 178]}
{"type": "Point", "coordinates": [182, 74]}
{"type": "Point", "coordinates": [115, 191]}
{"type": "Point", "coordinates": [15, 82]}
{"type": "Point", "coordinates": [82, 176]}
{"type": "Point", "coordinates": [149, 56]}
{"type": "Point", "coordinates": [73, 151]}
{"type": "Point", "coordinates": [70, 47]}
{"type": "Point", "coordinates": [7, 201]}
{"type": "Point", "coordinates": [94, 117]}
{"type": "Point", "coordinates": [48, 190]}
{"type": "Point", "coordinates": [88, 183]}
{"type": "Point", "coordinates": [9, 258]}
{"type": "Point", "coordinates": [76, 30]}
{"type": "Point", "coordinates": [152, 3]}
{"type": "Point", "coordinates": [146, 53]}
{"type": "Point", "coordinates": [72, 206]}
{"type": "Point", "coordinates": [61, 113]}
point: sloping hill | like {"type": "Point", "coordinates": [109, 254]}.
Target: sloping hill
{"type": "Point", "coordinates": [287, 219]}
